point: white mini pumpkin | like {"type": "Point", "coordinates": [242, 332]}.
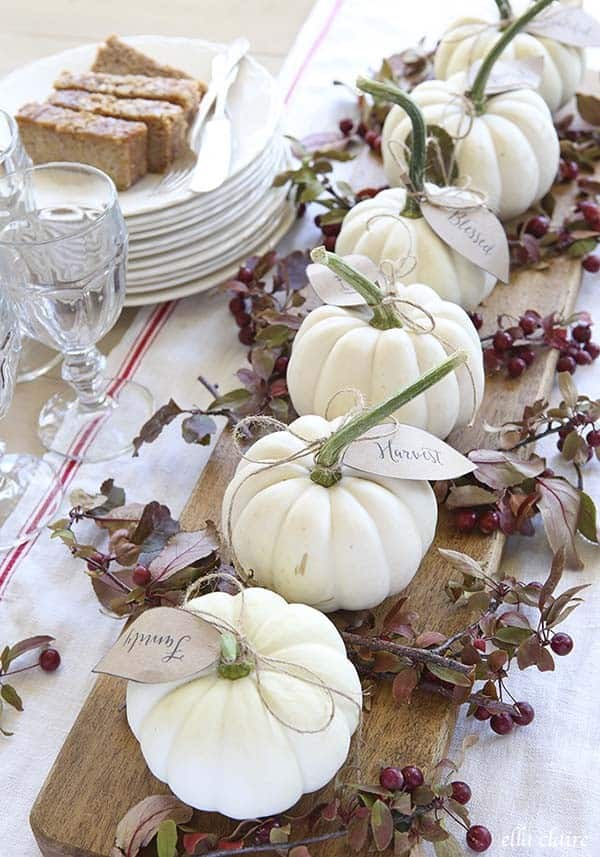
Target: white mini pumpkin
{"type": "Point", "coordinates": [348, 546]}
{"type": "Point", "coordinates": [374, 228]}
{"type": "Point", "coordinates": [510, 152]}
{"type": "Point", "coordinates": [336, 349]}
{"type": "Point", "coordinates": [214, 741]}
{"type": "Point", "coordinates": [469, 39]}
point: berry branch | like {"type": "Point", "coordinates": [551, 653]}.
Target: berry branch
{"type": "Point", "coordinates": [48, 660]}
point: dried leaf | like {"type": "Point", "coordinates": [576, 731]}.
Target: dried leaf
{"type": "Point", "coordinates": [358, 828]}
{"type": "Point", "coordinates": [462, 561]}
{"type": "Point", "coordinates": [558, 502]}
{"type": "Point", "coordinates": [504, 469]}
{"type": "Point", "coordinates": [10, 695]}
{"type": "Point", "coordinates": [470, 495]}
{"type": "Point", "coordinates": [183, 549]}
{"type": "Point", "coordinates": [556, 571]}
{"type": "Point", "coordinates": [28, 645]}
{"type": "Point", "coordinates": [450, 675]}
{"type": "Point", "coordinates": [198, 428]}
{"type": "Point", "coordinates": [382, 825]}
{"type": "Point", "coordinates": [449, 847]}
{"type": "Point", "coordinates": [404, 684]}
{"type": "Point", "coordinates": [141, 823]}
{"type": "Point", "coordinates": [587, 522]}
{"type": "Point", "coordinates": [153, 427]}
{"type": "Point", "coordinates": [155, 528]}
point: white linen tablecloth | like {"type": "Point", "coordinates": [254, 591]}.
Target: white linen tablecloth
{"type": "Point", "coordinates": [538, 789]}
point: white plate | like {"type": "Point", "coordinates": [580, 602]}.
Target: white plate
{"type": "Point", "coordinates": [254, 103]}
{"type": "Point", "coordinates": [217, 277]}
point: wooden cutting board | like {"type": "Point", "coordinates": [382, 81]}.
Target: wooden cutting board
{"type": "Point", "coordinates": [100, 773]}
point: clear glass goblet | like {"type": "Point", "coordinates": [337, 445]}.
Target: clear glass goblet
{"type": "Point", "coordinates": [30, 491]}
{"type": "Point", "coordinates": [35, 358]}
{"type": "Point", "coordinates": [63, 254]}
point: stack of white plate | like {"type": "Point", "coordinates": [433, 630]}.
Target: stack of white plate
{"type": "Point", "coordinates": [181, 243]}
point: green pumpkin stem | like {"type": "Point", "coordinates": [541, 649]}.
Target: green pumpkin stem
{"type": "Point", "coordinates": [384, 316]}
{"type": "Point", "coordinates": [231, 664]}
{"type": "Point", "coordinates": [418, 156]}
{"type": "Point", "coordinates": [505, 9]}
{"type": "Point", "coordinates": [477, 94]}
{"type": "Point", "coordinates": [327, 470]}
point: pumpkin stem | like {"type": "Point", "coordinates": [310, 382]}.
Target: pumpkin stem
{"type": "Point", "coordinates": [232, 664]}
{"type": "Point", "coordinates": [327, 471]}
{"type": "Point", "coordinates": [384, 317]}
{"type": "Point", "coordinates": [418, 156]}
{"type": "Point", "coordinates": [505, 9]}
{"type": "Point", "coordinates": [477, 93]}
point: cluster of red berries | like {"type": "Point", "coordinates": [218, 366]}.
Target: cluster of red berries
{"type": "Point", "coordinates": [503, 722]}
{"type": "Point", "coordinates": [592, 438]}
{"type": "Point", "coordinates": [579, 351]}
{"type": "Point", "coordinates": [372, 138]}
{"type": "Point", "coordinates": [486, 520]}
{"type": "Point", "coordinates": [591, 215]}
{"type": "Point", "coordinates": [409, 778]}
{"type": "Point", "coordinates": [239, 307]}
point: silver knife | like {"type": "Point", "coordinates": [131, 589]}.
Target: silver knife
{"type": "Point", "coordinates": [214, 155]}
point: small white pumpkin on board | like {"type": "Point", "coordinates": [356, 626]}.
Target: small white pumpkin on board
{"type": "Point", "coordinates": [506, 146]}
{"type": "Point", "coordinates": [469, 39]}
{"type": "Point", "coordinates": [301, 522]}
{"type": "Point", "coordinates": [342, 349]}
{"type": "Point", "coordinates": [247, 737]}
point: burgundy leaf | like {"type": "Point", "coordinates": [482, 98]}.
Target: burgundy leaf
{"type": "Point", "coordinates": [141, 823]}
{"type": "Point", "coordinates": [184, 549]}
{"type": "Point", "coordinates": [382, 825]}
{"type": "Point", "coordinates": [504, 469]}
{"type": "Point", "coordinates": [153, 427]}
{"type": "Point", "coordinates": [404, 684]}
{"type": "Point", "coordinates": [29, 645]}
{"type": "Point", "coordinates": [155, 528]}
{"type": "Point", "coordinates": [558, 502]}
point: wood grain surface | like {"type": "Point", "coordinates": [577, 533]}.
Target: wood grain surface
{"type": "Point", "coordinates": [100, 772]}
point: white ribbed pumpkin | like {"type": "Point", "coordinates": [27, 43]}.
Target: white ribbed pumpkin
{"type": "Point", "coordinates": [215, 742]}
{"type": "Point", "coordinates": [348, 546]}
{"type": "Point", "coordinates": [510, 153]}
{"type": "Point", "coordinates": [336, 349]}
{"type": "Point", "coordinates": [469, 39]}
{"type": "Point", "coordinates": [375, 229]}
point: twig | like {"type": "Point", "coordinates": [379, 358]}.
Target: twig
{"type": "Point", "coordinates": [280, 846]}
{"type": "Point", "coordinates": [411, 653]}
{"type": "Point", "coordinates": [532, 438]}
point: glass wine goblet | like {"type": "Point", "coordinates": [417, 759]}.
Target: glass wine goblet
{"type": "Point", "coordinates": [30, 491]}
{"type": "Point", "coordinates": [63, 254]}
{"type": "Point", "coordinates": [35, 358]}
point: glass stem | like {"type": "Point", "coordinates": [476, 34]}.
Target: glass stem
{"type": "Point", "coordinates": [84, 372]}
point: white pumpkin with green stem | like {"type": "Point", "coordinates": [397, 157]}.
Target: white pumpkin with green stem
{"type": "Point", "coordinates": [319, 532]}
{"type": "Point", "coordinates": [390, 226]}
{"type": "Point", "coordinates": [470, 38]}
{"type": "Point", "coordinates": [250, 735]}
{"type": "Point", "coordinates": [338, 350]}
{"type": "Point", "coordinates": [506, 145]}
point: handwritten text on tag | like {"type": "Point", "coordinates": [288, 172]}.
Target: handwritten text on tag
{"type": "Point", "coordinates": [475, 233]}
{"type": "Point", "coordinates": [333, 290]}
{"type": "Point", "coordinates": [406, 453]}
{"type": "Point", "coordinates": [567, 24]}
{"type": "Point", "coordinates": [507, 75]}
{"type": "Point", "coordinates": [163, 644]}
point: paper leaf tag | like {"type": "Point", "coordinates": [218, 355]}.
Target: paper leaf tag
{"type": "Point", "coordinates": [406, 453]}
{"type": "Point", "coordinates": [507, 75]}
{"type": "Point", "coordinates": [475, 232]}
{"type": "Point", "coordinates": [163, 644]}
{"type": "Point", "coordinates": [567, 24]}
{"type": "Point", "coordinates": [332, 289]}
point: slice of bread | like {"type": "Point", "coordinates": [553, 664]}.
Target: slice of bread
{"type": "Point", "coordinates": [116, 146]}
{"type": "Point", "coordinates": [117, 57]}
{"type": "Point", "coordinates": [165, 121]}
{"type": "Point", "coordinates": [181, 92]}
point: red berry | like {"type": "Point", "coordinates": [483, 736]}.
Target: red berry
{"type": "Point", "coordinates": [361, 129]}
{"type": "Point", "coordinates": [591, 263]}
{"type": "Point", "coordinates": [465, 520]}
{"type": "Point", "coordinates": [591, 213]}
{"type": "Point", "coordinates": [528, 323]}
{"type": "Point", "coordinates": [461, 792]}
{"type": "Point", "coordinates": [481, 713]}
{"type": "Point", "coordinates": [593, 438]}
{"type": "Point", "coordinates": [524, 715]}
{"type": "Point", "coordinates": [480, 644]}
{"type": "Point", "coordinates": [141, 575]}
{"type": "Point", "coordinates": [479, 838]}
{"type": "Point", "coordinates": [242, 319]}
{"type": "Point", "coordinates": [370, 137]}
{"type": "Point", "coordinates": [502, 724]}
{"type": "Point", "coordinates": [502, 340]}
{"type": "Point", "coordinates": [561, 644]}
{"type": "Point", "coordinates": [281, 364]}
{"type": "Point", "coordinates": [538, 226]}
{"type": "Point", "coordinates": [491, 360]}
{"type": "Point", "coordinates": [245, 275]}
{"type": "Point", "coordinates": [592, 349]}
{"type": "Point", "coordinates": [582, 358]}
{"type": "Point", "coordinates": [566, 364]}
{"type": "Point", "coordinates": [581, 333]}
{"type": "Point", "coordinates": [49, 660]}
{"type": "Point", "coordinates": [367, 193]}
{"type": "Point", "coordinates": [246, 335]}
{"type": "Point", "coordinates": [489, 521]}
{"type": "Point", "coordinates": [391, 778]}
{"type": "Point", "coordinates": [525, 353]}
{"type": "Point", "coordinates": [236, 305]}
{"type": "Point", "coordinates": [516, 332]}
{"type": "Point", "coordinates": [413, 777]}
{"type": "Point", "coordinates": [477, 320]}
{"type": "Point", "coordinates": [516, 366]}
{"type": "Point", "coordinates": [346, 126]}
{"type": "Point", "coordinates": [331, 229]}
{"type": "Point", "coordinates": [329, 243]}
{"type": "Point", "coordinates": [568, 170]}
